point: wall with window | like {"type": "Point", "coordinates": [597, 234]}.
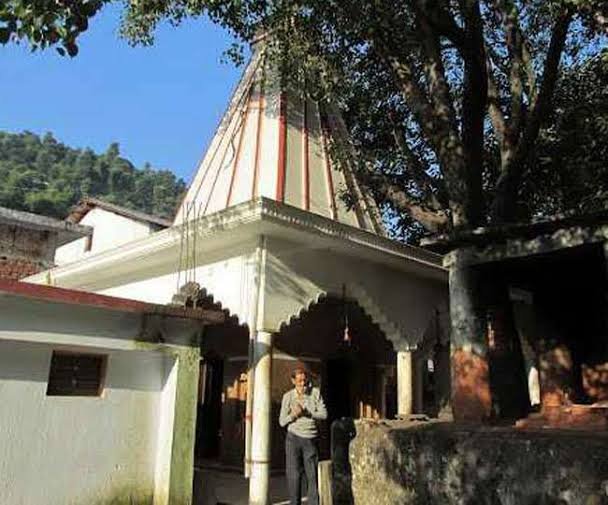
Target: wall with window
{"type": "Point", "coordinates": [59, 447]}
{"type": "Point", "coordinates": [110, 230]}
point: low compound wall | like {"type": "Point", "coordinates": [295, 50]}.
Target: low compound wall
{"type": "Point", "coordinates": [443, 463]}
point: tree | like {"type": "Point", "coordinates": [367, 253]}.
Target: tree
{"type": "Point", "coordinates": [45, 23]}
{"type": "Point", "coordinates": [572, 150]}
{"type": "Point", "coordinates": [46, 177]}
{"type": "Point", "coordinates": [445, 99]}
{"type": "Point", "coordinates": [85, 166]}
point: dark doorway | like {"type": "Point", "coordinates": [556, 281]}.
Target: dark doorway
{"type": "Point", "coordinates": [339, 393]}
{"type": "Point", "coordinates": [209, 411]}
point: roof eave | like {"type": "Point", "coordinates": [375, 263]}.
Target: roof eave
{"type": "Point", "coordinates": [65, 231]}
{"type": "Point", "coordinates": [83, 298]}
{"type": "Point", "coordinates": [85, 205]}
{"type": "Point", "coordinates": [247, 220]}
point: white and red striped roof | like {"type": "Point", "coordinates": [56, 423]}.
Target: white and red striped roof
{"type": "Point", "coordinates": [272, 143]}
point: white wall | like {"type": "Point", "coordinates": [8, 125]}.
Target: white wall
{"type": "Point", "coordinates": [110, 230]}
{"type": "Point", "coordinates": [79, 450]}
{"type": "Point", "coordinates": [230, 281]}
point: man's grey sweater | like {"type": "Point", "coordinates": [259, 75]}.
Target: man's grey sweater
{"type": "Point", "coordinates": [304, 426]}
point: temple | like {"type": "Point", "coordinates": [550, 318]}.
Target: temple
{"type": "Point", "coordinates": [265, 234]}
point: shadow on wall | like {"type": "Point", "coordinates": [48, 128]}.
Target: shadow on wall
{"type": "Point", "coordinates": [342, 433]}
{"type": "Point", "coordinates": [129, 370]}
{"type": "Point", "coordinates": [282, 282]}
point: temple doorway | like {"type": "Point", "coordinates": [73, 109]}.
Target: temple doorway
{"type": "Point", "coordinates": [339, 396]}
{"type": "Point", "coordinates": [350, 360]}
{"type": "Point", "coordinates": [209, 408]}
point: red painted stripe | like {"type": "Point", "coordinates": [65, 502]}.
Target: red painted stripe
{"type": "Point", "coordinates": [330, 181]}
{"type": "Point", "coordinates": [305, 159]}
{"type": "Point", "coordinates": [258, 136]}
{"type": "Point", "coordinates": [215, 150]}
{"type": "Point", "coordinates": [282, 149]}
{"type": "Point", "coordinates": [74, 297]}
{"type": "Point", "coordinates": [237, 156]}
{"type": "Point", "coordinates": [217, 174]}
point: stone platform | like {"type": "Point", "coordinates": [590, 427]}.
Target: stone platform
{"type": "Point", "coordinates": [442, 463]}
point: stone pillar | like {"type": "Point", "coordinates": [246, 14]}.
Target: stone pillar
{"type": "Point", "coordinates": [262, 409]}
{"type": "Point", "coordinates": [471, 393]}
{"type": "Point", "coordinates": [185, 377]}
{"type": "Point", "coordinates": [405, 391]}
{"type": "Point", "coordinates": [324, 482]}
{"type": "Point", "coordinates": [420, 368]}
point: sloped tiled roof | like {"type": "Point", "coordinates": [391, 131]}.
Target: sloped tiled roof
{"type": "Point", "coordinates": [88, 203]}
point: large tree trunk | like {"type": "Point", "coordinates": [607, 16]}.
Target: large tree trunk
{"type": "Point", "coordinates": [510, 398]}
{"type": "Point", "coordinates": [488, 379]}
{"type": "Point", "coordinates": [471, 395]}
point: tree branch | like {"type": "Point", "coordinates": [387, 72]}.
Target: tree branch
{"type": "Point", "coordinates": [475, 97]}
{"type": "Point", "coordinates": [507, 186]}
{"type": "Point", "coordinates": [514, 40]}
{"type": "Point", "coordinates": [497, 60]}
{"type": "Point", "coordinates": [496, 115]}
{"type": "Point", "coordinates": [433, 189]}
{"type": "Point", "coordinates": [437, 128]}
{"type": "Point", "coordinates": [432, 220]}
{"type": "Point", "coordinates": [443, 136]}
{"type": "Point", "coordinates": [539, 108]}
{"type": "Point", "coordinates": [530, 73]}
{"type": "Point", "coordinates": [439, 90]}
{"type": "Point", "coordinates": [443, 22]}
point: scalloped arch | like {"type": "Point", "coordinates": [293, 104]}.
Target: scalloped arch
{"type": "Point", "coordinates": [311, 302]}
{"type": "Point", "coordinates": [393, 332]}
{"type": "Point", "coordinates": [192, 294]}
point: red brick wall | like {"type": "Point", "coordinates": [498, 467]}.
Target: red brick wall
{"type": "Point", "coordinates": [17, 268]}
{"type": "Point", "coordinates": [24, 251]}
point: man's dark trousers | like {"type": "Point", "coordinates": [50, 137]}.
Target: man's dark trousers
{"type": "Point", "coordinates": [301, 454]}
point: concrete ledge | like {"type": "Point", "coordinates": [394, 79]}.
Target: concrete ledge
{"type": "Point", "coordinates": [75, 297]}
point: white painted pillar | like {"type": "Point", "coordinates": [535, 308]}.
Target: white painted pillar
{"type": "Point", "coordinates": [420, 364]}
{"type": "Point", "coordinates": [258, 266]}
{"type": "Point", "coordinates": [404, 383]}
{"type": "Point", "coordinates": [262, 409]}
{"type": "Point", "coordinates": [249, 408]}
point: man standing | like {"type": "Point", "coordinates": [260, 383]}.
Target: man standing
{"type": "Point", "coordinates": [301, 408]}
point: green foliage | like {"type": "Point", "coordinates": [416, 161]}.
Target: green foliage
{"type": "Point", "coordinates": [570, 158]}
{"type": "Point", "coordinates": [46, 177]}
{"type": "Point", "coordinates": [45, 23]}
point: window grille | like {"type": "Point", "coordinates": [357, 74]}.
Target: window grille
{"type": "Point", "coordinates": [76, 374]}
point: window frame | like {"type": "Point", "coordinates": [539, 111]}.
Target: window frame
{"type": "Point", "coordinates": [102, 373]}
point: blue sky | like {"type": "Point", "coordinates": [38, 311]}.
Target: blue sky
{"type": "Point", "coordinates": [160, 103]}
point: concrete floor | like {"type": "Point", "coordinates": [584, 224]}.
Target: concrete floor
{"type": "Point", "coordinates": [222, 487]}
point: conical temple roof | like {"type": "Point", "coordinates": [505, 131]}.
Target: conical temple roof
{"type": "Point", "coordinates": [272, 143]}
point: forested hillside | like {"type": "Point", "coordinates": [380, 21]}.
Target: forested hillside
{"type": "Point", "coordinates": [44, 176]}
